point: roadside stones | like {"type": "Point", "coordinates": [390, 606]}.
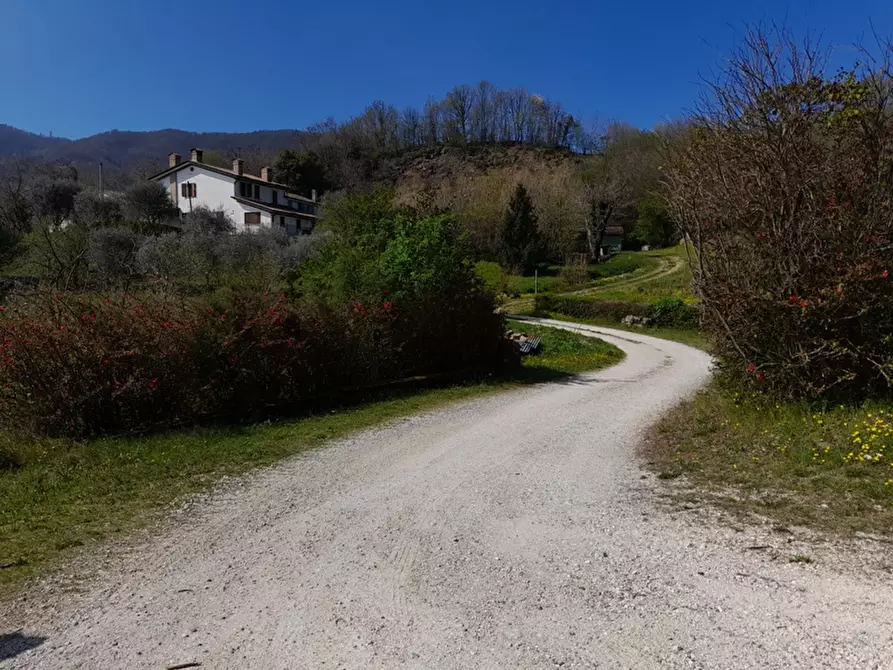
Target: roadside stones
{"type": "Point", "coordinates": [633, 320]}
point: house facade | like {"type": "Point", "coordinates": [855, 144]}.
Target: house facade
{"type": "Point", "coordinates": [252, 202]}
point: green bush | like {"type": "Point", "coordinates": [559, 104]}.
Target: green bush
{"type": "Point", "coordinates": [494, 277]}
{"type": "Point", "coordinates": [674, 313]}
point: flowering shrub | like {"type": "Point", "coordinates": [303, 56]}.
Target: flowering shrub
{"type": "Point", "coordinates": [81, 366]}
{"type": "Point", "coordinates": [783, 185]}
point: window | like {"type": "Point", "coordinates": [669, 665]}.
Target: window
{"type": "Point", "coordinates": [257, 191]}
{"type": "Point", "coordinates": [244, 189]}
{"type": "Point", "coordinates": [189, 190]}
{"type": "Point", "coordinates": [252, 218]}
{"type": "Point", "coordinates": [281, 220]}
{"type": "Point", "coordinates": [275, 197]}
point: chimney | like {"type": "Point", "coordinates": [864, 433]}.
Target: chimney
{"type": "Point", "coordinates": [266, 173]}
{"type": "Point", "coordinates": [238, 166]}
{"type": "Point", "coordinates": [313, 195]}
{"type": "Point", "coordinates": [174, 160]}
{"type": "Point", "coordinates": [196, 155]}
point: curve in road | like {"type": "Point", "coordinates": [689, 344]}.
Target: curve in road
{"type": "Point", "coordinates": [511, 531]}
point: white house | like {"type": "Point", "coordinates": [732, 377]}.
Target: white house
{"type": "Point", "coordinates": [252, 202]}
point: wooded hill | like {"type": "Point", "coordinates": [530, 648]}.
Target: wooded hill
{"type": "Point", "coordinates": [137, 150]}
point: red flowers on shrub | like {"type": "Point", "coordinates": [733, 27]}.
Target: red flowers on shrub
{"type": "Point", "coordinates": [75, 379]}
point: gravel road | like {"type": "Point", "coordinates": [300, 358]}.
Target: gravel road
{"type": "Point", "coordinates": [513, 531]}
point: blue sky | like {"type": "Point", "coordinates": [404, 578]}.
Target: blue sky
{"type": "Point", "coordinates": [78, 67]}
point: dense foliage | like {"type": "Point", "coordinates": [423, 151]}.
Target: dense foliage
{"type": "Point", "coordinates": [391, 296]}
{"type": "Point", "coordinates": [784, 186]}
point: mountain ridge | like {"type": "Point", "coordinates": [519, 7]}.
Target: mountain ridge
{"type": "Point", "coordinates": [131, 149]}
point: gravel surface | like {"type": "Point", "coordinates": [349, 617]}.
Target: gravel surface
{"type": "Point", "coordinates": [511, 531]}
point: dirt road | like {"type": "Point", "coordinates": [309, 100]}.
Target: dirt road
{"type": "Point", "coordinates": [512, 531]}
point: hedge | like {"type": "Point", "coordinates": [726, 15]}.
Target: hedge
{"type": "Point", "coordinates": [669, 312]}
{"type": "Point", "coordinates": [81, 366]}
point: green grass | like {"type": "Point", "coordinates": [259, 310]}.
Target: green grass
{"type": "Point", "coordinates": [636, 288]}
{"type": "Point", "coordinates": [642, 289]}
{"type": "Point", "coordinates": [831, 469]}
{"type": "Point", "coordinates": [551, 280]}
{"type": "Point", "coordinates": [544, 284]}
{"type": "Point", "coordinates": [568, 355]}
{"type": "Point", "coordinates": [56, 496]}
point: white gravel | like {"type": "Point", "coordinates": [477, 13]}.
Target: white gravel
{"type": "Point", "coordinates": [512, 531]}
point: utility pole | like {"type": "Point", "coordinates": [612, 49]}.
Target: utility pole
{"type": "Point", "coordinates": [101, 189]}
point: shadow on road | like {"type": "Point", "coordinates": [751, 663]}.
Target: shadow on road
{"type": "Point", "coordinates": [13, 644]}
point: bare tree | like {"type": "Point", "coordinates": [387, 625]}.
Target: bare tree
{"type": "Point", "coordinates": [457, 113]}
{"type": "Point", "coordinates": [433, 115]}
{"type": "Point", "coordinates": [516, 111]}
{"type": "Point", "coordinates": [483, 114]}
{"type": "Point", "coordinates": [113, 255]}
{"type": "Point", "coordinates": [411, 134]}
{"type": "Point", "coordinates": [15, 207]}
{"type": "Point", "coordinates": [782, 183]}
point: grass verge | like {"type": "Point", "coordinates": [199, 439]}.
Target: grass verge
{"type": "Point", "coordinates": [56, 496]}
{"type": "Point", "coordinates": [831, 469]}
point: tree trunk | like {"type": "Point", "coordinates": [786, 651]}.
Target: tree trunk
{"type": "Point", "coordinates": [600, 214]}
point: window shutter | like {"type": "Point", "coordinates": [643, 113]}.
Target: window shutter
{"type": "Point", "coordinates": [194, 188]}
{"type": "Point", "coordinates": [184, 190]}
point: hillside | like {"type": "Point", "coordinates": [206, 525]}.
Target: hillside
{"type": "Point", "coordinates": [130, 150]}
{"type": "Point", "coordinates": [432, 167]}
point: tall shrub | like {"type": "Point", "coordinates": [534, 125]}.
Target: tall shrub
{"type": "Point", "coordinates": [784, 184]}
{"type": "Point", "coordinates": [86, 366]}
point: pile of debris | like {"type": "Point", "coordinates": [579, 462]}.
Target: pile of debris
{"type": "Point", "coordinates": [526, 344]}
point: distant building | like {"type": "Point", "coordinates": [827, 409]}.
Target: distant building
{"type": "Point", "coordinates": [612, 241]}
{"type": "Point", "coordinates": [251, 202]}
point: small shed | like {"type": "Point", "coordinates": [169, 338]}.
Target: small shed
{"type": "Point", "coordinates": [612, 242]}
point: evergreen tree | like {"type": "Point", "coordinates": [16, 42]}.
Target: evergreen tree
{"type": "Point", "coordinates": [521, 245]}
